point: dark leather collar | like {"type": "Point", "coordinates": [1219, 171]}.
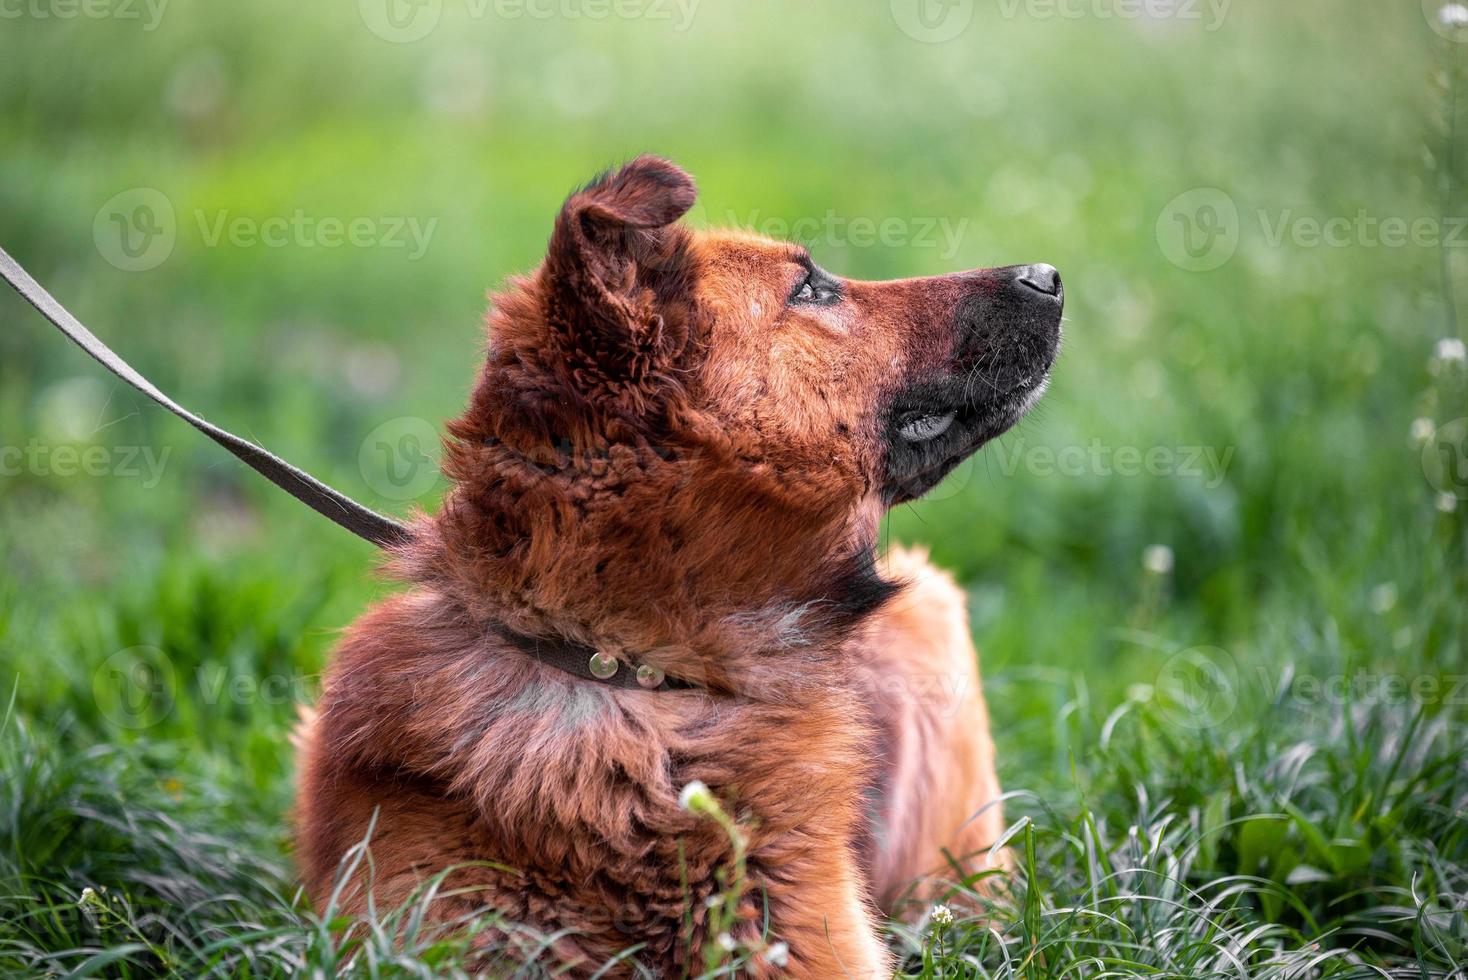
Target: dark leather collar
{"type": "Point", "coordinates": [577, 659]}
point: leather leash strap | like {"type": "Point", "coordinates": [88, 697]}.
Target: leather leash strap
{"type": "Point", "coordinates": [331, 504]}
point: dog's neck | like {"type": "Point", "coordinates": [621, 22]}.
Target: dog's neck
{"type": "Point", "coordinates": [672, 578]}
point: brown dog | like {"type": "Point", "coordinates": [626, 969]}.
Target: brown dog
{"type": "Point", "coordinates": [677, 454]}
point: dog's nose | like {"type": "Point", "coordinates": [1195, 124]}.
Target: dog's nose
{"type": "Point", "coordinates": [1042, 278]}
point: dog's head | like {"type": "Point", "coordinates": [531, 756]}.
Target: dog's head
{"type": "Point", "coordinates": [722, 386]}
{"type": "Point", "coordinates": [905, 378]}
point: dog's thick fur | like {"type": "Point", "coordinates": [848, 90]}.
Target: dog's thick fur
{"type": "Point", "coordinates": [666, 458]}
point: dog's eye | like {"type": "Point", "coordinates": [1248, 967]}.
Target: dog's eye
{"type": "Point", "coordinates": [816, 290]}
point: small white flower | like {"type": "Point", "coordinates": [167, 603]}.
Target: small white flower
{"type": "Point", "coordinates": [726, 942]}
{"type": "Point", "coordinates": [1453, 15]}
{"type": "Point", "coordinates": [1447, 503]}
{"type": "Point", "coordinates": [1446, 355]}
{"type": "Point", "coordinates": [696, 797]}
{"type": "Point", "coordinates": [1158, 559]}
{"type": "Point", "coordinates": [89, 902]}
{"type": "Point", "coordinates": [778, 955]}
{"type": "Point", "coordinates": [942, 915]}
{"type": "Point", "coordinates": [1422, 429]}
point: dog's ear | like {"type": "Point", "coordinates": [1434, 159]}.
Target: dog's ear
{"type": "Point", "coordinates": [616, 282]}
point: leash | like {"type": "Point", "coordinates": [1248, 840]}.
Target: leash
{"type": "Point", "coordinates": [335, 506]}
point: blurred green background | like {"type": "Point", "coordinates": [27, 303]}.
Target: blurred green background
{"type": "Point", "coordinates": [1290, 529]}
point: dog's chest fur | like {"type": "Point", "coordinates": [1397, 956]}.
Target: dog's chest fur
{"type": "Point", "coordinates": [571, 790]}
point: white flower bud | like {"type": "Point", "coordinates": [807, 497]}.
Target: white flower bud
{"type": "Point", "coordinates": [696, 798]}
{"type": "Point", "coordinates": [1158, 559]}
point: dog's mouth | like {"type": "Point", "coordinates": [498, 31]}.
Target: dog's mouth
{"type": "Point", "coordinates": [934, 425]}
{"type": "Point", "coordinates": [935, 432]}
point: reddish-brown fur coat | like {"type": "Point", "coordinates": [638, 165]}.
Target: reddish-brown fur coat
{"type": "Point", "coordinates": [658, 462]}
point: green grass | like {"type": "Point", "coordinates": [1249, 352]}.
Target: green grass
{"type": "Point", "coordinates": [1249, 764]}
